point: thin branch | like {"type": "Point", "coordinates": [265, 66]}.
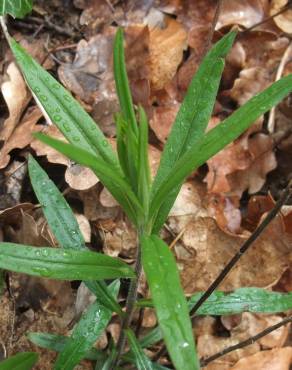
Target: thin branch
{"type": "Point", "coordinates": [246, 342]}
{"type": "Point", "coordinates": [281, 11]}
{"type": "Point", "coordinates": [4, 28]}
{"type": "Point", "coordinates": [213, 26]}
{"type": "Point", "coordinates": [246, 245]}
{"type": "Point", "coordinates": [284, 61]}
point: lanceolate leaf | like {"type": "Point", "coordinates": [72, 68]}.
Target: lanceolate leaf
{"type": "Point", "coordinates": [244, 300]}
{"type": "Point", "coordinates": [128, 136]}
{"type": "Point", "coordinates": [241, 300]}
{"type": "Point", "coordinates": [56, 210]}
{"type": "Point", "coordinates": [216, 139]}
{"type": "Point", "coordinates": [192, 118]}
{"type": "Point", "coordinates": [169, 301]}
{"type": "Point", "coordinates": [141, 360]}
{"type": "Point", "coordinates": [85, 334]}
{"type": "Point", "coordinates": [57, 343]}
{"type": "Point", "coordinates": [63, 224]}
{"type": "Point", "coordinates": [117, 185]}
{"type": "Point", "coordinates": [21, 361]}
{"type": "Point", "coordinates": [16, 8]}
{"type": "Point", "coordinates": [122, 83]}
{"type": "Point", "coordinates": [55, 263]}
{"type": "Point", "coordinates": [71, 119]}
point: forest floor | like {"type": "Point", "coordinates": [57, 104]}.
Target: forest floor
{"type": "Point", "coordinates": [218, 207]}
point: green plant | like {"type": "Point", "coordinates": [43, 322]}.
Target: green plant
{"type": "Point", "coordinates": [146, 202]}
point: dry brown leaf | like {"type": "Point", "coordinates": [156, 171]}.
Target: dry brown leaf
{"type": "Point", "coordinates": [275, 359]}
{"type": "Point", "coordinates": [166, 51]}
{"type": "Point", "coordinates": [120, 240]}
{"type": "Point", "coordinates": [248, 325]}
{"type": "Point", "coordinates": [283, 21]}
{"type": "Point", "coordinates": [163, 118]}
{"type": "Point", "coordinates": [84, 227]}
{"type": "Point", "coordinates": [21, 135]}
{"type": "Point", "coordinates": [16, 96]}
{"type": "Point", "coordinates": [250, 82]}
{"type": "Point", "coordinates": [261, 148]}
{"type": "Point", "coordinates": [245, 12]}
{"type": "Point", "coordinates": [209, 249]}
{"type": "Point", "coordinates": [243, 164]}
{"type": "Point", "coordinates": [77, 177]}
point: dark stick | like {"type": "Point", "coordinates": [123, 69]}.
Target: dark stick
{"type": "Point", "coordinates": [282, 10]}
{"type": "Point", "coordinates": [213, 26]}
{"type": "Point", "coordinates": [130, 306]}
{"type": "Point", "coordinates": [245, 246]}
{"type": "Point", "coordinates": [246, 342]}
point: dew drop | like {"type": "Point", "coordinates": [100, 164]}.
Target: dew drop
{"type": "Point", "coordinates": [56, 117]}
{"type": "Point", "coordinates": [104, 142]}
{"type": "Point", "coordinates": [56, 86]}
{"type": "Point", "coordinates": [76, 139]}
{"type": "Point", "coordinates": [37, 89]}
{"type": "Point", "coordinates": [66, 127]}
{"type": "Point", "coordinates": [67, 98]}
{"type": "Point", "coordinates": [58, 110]}
{"type": "Point", "coordinates": [43, 97]}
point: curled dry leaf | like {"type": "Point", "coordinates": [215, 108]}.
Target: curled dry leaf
{"type": "Point", "coordinates": [244, 13]}
{"type": "Point", "coordinates": [16, 96]}
{"type": "Point", "coordinates": [283, 21]}
{"type": "Point", "coordinates": [77, 177]}
{"type": "Point", "coordinates": [162, 120]}
{"type": "Point", "coordinates": [275, 359]}
{"type": "Point", "coordinates": [120, 240]}
{"type": "Point", "coordinates": [241, 165]}
{"type": "Point", "coordinates": [21, 135]}
{"type": "Point", "coordinates": [247, 326]}
{"type": "Point", "coordinates": [209, 249]}
{"type": "Point", "coordinates": [84, 227]}
{"type": "Point", "coordinates": [166, 51]}
{"type": "Point", "coordinates": [249, 83]}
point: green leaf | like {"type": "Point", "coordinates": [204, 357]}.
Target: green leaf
{"type": "Point", "coordinates": [16, 8]}
{"type": "Point", "coordinates": [21, 361]}
{"type": "Point", "coordinates": [192, 118]}
{"type": "Point", "coordinates": [55, 263]}
{"type": "Point", "coordinates": [169, 301]}
{"type": "Point", "coordinates": [57, 343]}
{"type": "Point", "coordinates": [127, 133]}
{"type": "Point", "coordinates": [143, 161]}
{"type": "Point", "coordinates": [141, 360]}
{"type": "Point", "coordinates": [57, 211]}
{"type": "Point", "coordinates": [71, 119]}
{"type": "Point", "coordinates": [63, 224]}
{"type": "Point", "coordinates": [244, 300]}
{"type": "Point", "coordinates": [241, 300]}
{"type": "Point", "coordinates": [122, 83]}
{"type": "Point", "coordinates": [216, 139]}
{"type": "Point", "coordinates": [117, 185]}
{"type": "Point", "coordinates": [85, 333]}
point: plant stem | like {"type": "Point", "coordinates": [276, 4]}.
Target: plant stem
{"type": "Point", "coordinates": [246, 342]}
{"type": "Point", "coordinates": [245, 246]}
{"type": "Point", "coordinates": [130, 306]}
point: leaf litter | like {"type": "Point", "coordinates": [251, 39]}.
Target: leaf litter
{"type": "Point", "coordinates": [217, 208]}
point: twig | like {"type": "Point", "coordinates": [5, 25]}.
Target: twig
{"type": "Point", "coordinates": [246, 342]}
{"type": "Point", "coordinates": [281, 11]}
{"type": "Point", "coordinates": [284, 60]}
{"type": "Point", "coordinates": [213, 26]}
{"type": "Point", "coordinates": [4, 28]}
{"type": "Point", "coordinates": [246, 245]}
{"type": "Point", "coordinates": [130, 306]}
